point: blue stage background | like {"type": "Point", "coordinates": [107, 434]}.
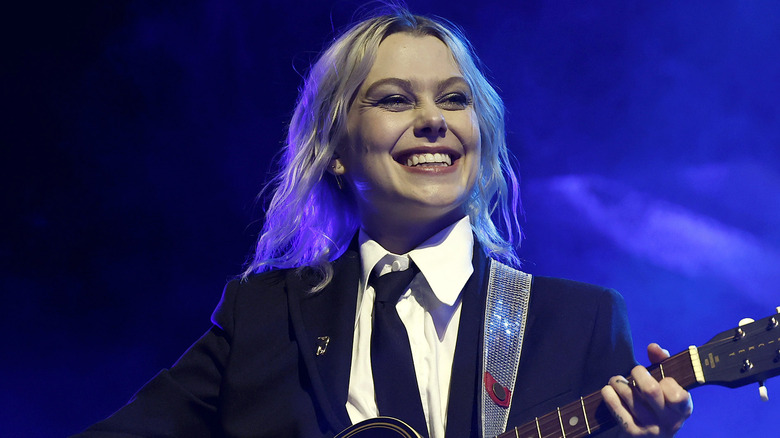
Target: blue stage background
{"type": "Point", "coordinates": [137, 135]}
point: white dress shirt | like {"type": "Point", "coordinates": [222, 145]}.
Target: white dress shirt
{"type": "Point", "coordinates": [430, 311]}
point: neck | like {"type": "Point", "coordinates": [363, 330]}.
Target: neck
{"type": "Point", "coordinates": [400, 237]}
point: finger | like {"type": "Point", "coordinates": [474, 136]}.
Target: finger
{"type": "Point", "coordinates": [656, 354]}
{"type": "Point", "coordinates": [642, 413]}
{"type": "Point", "coordinates": [664, 403]}
{"type": "Point", "coordinates": [615, 405]}
{"type": "Point", "coordinates": [678, 402]}
{"type": "Point", "coordinates": [624, 391]}
{"type": "Point", "coordinates": [648, 389]}
{"type": "Point", "coordinates": [618, 397]}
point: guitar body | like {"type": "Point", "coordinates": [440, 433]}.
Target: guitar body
{"type": "Point", "coordinates": [379, 427]}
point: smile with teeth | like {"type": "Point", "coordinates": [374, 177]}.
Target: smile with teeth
{"type": "Point", "coordinates": [436, 159]}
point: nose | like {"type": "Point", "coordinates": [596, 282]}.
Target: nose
{"type": "Point", "coordinates": [430, 123]}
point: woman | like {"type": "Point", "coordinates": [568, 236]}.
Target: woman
{"type": "Point", "coordinates": [394, 162]}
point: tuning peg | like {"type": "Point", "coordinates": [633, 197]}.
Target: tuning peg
{"type": "Point", "coordinates": [739, 333]}
{"type": "Point", "coordinates": [762, 391]}
{"type": "Point", "coordinates": [777, 309]}
{"type": "Point", "coordinates": [746, 321]}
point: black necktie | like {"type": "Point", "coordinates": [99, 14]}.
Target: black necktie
{"type": "Point", "coordinates": [395, 383]}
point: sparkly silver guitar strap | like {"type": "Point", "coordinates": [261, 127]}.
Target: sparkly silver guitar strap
{"type": "Point", "coordinates": [505, 314]}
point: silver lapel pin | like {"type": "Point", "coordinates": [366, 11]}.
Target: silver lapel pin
{"type": "Point", "coordinates": [322, 344]}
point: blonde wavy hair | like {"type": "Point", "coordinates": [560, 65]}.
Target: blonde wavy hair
{"type": "Point", "coordinates": [309, 221]}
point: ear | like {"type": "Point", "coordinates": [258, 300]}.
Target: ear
{"type": "Point", "coordinates": [336, 167]}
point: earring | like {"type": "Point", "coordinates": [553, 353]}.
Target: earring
{"type": "Point", "coordinates": [333, 167]}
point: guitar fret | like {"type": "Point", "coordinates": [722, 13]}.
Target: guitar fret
{"type": "Point", "coordinates": [560, 421]}
{"type": "Point", "coordinates": [598, 413]}
{"type": "Point", "coordinates": [527, 430]}
{"type": "Point", "coordinates": [551, 425]}
{"type": "Point", "coordinates": [577, 425]}
{"type": "Point", "coordinates": [585, 415]}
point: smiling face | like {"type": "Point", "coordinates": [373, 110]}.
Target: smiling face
{"type": "Point", "coordinates": [413, 149]}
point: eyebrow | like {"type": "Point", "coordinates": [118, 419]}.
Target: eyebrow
{"type": "Point", "coordinates": [455, 80]}
{"type": "Point", "coordinates": [406, 85]}
{"type": "Point", "coordinates": [401, 83]}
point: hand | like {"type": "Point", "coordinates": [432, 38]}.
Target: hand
{"type": "Point", "coordinates": [650, 408]}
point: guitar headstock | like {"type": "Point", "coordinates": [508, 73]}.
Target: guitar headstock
{"type": "Point", "coordinates": [746, 354]}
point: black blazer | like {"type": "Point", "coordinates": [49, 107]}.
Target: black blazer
{"type": "Point", "coordinates": [256, 372]}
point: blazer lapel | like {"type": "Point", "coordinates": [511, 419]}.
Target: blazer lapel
{"type": "Point", "coordinates": [465, 382]}
{"type": "Point", "coordinates": [323, 323]}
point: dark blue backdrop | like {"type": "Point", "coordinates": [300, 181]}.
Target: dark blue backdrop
{"type": "Point", "coordinates": [137, 134]}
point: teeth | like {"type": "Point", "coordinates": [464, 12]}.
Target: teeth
{"type": "Point", "coordinates": [436, 158]}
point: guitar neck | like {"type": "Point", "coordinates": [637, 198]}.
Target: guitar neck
{"type": "Point", "coordinates": [590, 414]}
{"type": "Point", "coordinates": [733, 358]}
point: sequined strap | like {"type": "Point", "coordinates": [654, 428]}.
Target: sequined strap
{"type": "Point", "coordinates": [505, 315]}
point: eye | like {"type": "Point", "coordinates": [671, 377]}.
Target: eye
{"type": "Point", "coordinates": [395, 102]}
{"type": "Point", "coordinates": [454, 101]}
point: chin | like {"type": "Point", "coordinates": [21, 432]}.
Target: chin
{"type": "Point", "coordinates": [431, 211]}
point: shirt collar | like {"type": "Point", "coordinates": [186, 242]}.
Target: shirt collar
{"type": "Point", "coordinates": [444, 259]}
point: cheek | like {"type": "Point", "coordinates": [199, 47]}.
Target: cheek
{"type": "Point", "coordinates": [382, 131]}
{"type": "Point", "coordinates": [465, 126]}
{"type": "Point", "coordinates": [476, 153]}
{"type": "Point", "coordinates": [476, 136]}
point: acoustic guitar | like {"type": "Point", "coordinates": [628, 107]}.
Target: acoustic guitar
{"type": "Point", "coordinates": [746, 354]}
